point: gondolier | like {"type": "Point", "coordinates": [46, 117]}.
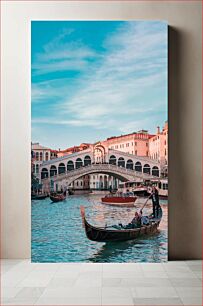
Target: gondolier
{"type": "Point", "coordinates": [155, 201]}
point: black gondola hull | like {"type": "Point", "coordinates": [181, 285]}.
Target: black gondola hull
{"type": "Point", "coordinates": [107, 235]}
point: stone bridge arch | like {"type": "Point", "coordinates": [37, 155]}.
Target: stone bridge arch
{"type": "Point", "coordinates": [123, 174]}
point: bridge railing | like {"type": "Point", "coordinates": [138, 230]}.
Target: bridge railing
{"type": "Point", "coordinates": [146, 159]}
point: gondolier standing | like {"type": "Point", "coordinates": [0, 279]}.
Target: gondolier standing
{"type": "Point", "coordinates": [155, 201]}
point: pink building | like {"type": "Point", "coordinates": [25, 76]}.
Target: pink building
{"type": "Point", "coordinates": [134, 143]}
{"type": "Point", "coordinates": [158, 145]}
{"type": "Point", "coordinates": [39, 155]}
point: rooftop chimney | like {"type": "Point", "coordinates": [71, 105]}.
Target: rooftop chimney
{"type": "Point", "coordinates": [158, 130]}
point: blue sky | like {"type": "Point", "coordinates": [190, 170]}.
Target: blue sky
{"type": "Point", "coordinates": [96, 79]}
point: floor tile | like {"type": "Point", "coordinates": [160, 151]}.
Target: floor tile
{"type": "Point", "coordinates": [196, 268]}
{"type": "Point", "coordinates": [122, 274]}
{"type": "Point", "coordinates": [21, 301]}
{"type": "Point", "coordinates": [69, 301]}
{"type": "Point", "coordinates": [9, 292]}
{"type": "Point", "coordinates": [91, 267]}
{"type": "Point", "coordinates": [154, 292]}
{"type": "Point", "coordinates": [112, 282]}
{"type": "Point", "coordinates": [146, 282]}
{"type": "Point", "coordinates": [155, 274]}
{"type": "Point", "coordinates": [116, 292]}
{"type": "Point", "coordinates": [5, 268]}
{"type": "Point", "coordinates": [127, 301]}
{"type": "Point", "coordinates": [172, 283]}
{"type": "Point", "coordinates": [181, 274]}
{"type": "Point", "coordinates": [91, 282]}
{"type": "Point", "coordinates": [124, 267]}
{"type": "Point", "coordinates": [198, 274]}
{"type": "Point", "coordinates": [192, 301]}
{"type": "Point", "coordinates": [61, 282]}
{"type": "Point", "coordinates": [158, 301]}
{"type": "Point", "coordinates": [189, 291]}
{"type": "Point", "coordinates": [177, 268]}
{"type": "Point", "coordinates": [73, 292]}
{"type": "Point", "coordinates": [37, 279]}
{"type": "Point", "coordinates": [46, 267]}
{"type": "Point", "coordinates": [28, 292]}
{"type": "Point", "coordinates": [185, 282]}
{"type": "Point", "coordinates": [15, 275]}
{"type": "Point", "coordinates": [152, 267]}
{"type": "Point", "coordinates": [193, 262]}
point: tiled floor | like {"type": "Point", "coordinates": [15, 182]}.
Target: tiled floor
{"type": "Point", "coordinates": [172, 283]}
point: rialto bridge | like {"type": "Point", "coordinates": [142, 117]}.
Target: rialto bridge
{"type": "Point", "coordinates": [124, 166]}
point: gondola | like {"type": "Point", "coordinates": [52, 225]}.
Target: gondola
{"type": "Point", "coordinates": [110, 234]}
{"type": "Point", "coordinates": [57, 197]}
{"type": "Point", "coordinates": [39, 196]}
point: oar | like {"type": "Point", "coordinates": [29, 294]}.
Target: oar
{"type": "Point", "coordinates": [145, 203]}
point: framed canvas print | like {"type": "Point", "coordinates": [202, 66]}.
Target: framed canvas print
{"type": "Point", "coordinates": [99, 151]}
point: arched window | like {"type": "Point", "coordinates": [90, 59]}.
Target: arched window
{"type": "Point", "coordinates": [155, 171]}
{"type": "Point", "coordinates": [44, 173]}
{"type": "Point", "coordinates": [78, 163]}
{"type": "Point", "coordinates": [33, 168]}
{"type": "Point", "coordinates": [129, 164]}
{"type": "Point", "coordinates": [138, 166]}
{"type": "Point", "coordinates": [70, 165]}
{"type": "Point", "coordinates": [37, 156]}
{"type": "Point", "coordinates": [61, 168]}
{"type": "Point", "coordinates": [146, 169]}
{"type": "Point", "coordinates": [112, 160]}
{"type": "Point", "coordinates": [41, 155]}
{"type": "Point", "coordinates": [53, 170]}
{"type": "Point", "coordinates": [121, 162]}
{"type": "Point", "coordinates": [37, 168]}
{"type": "Point", "coordinates": [47, 156]}
{"type": "Point", "coordinates": [87, 160]}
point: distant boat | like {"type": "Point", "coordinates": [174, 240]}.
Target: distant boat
{"type": "Point", "coordinates": [39, 196]}
{"type": "Point", "coordinates": [70, 192]}
{"type": "Point", "coordinates": [143, 188]}
{"type": "Point", "coordinates": [141, 191]}
{"type": "Point", "coordinates": [58, 197]}
{"type": "Point", "coordinates": [119, 200]}
{"type": "Point", "coordinates": [110, 234]}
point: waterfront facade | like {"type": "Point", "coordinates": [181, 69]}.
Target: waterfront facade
{"type": "Point", "coordinates": [134, 143]}
{"type": "Point", "coordinates": [41, 154]}
{"type": "Point", "coordinates": [121, 150]}
{"type": "Point", "coordinates": [141, 144]}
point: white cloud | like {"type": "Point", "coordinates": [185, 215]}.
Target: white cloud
{"type": "Point", "coordinates": [114, 92]}
{"type": "Point", "coordinates": [58, 55]}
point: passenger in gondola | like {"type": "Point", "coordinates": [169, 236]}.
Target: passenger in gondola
{"type": "Point", "coordinates": [136, 221]}
{"type": "Point", "coordinates": [155, 201]}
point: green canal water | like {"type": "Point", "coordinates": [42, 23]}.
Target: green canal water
{"type": "Point", "coordinates": [58, 235]}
